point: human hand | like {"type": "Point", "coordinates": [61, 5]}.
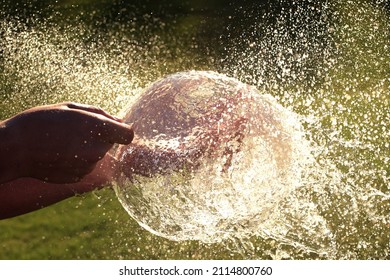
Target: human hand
{"type": "Point", "coordinates": [58, 143]}
{"type": "Point", "coordinates": [25, 195]}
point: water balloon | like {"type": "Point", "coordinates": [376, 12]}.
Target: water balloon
{"type": "Point", "coordinates": [210, 159]}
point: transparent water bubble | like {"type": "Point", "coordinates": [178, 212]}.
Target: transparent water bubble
{"type": "Point", "coordinates": [211, 158]}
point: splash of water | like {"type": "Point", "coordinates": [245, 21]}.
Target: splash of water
{"type": "Point", "coordinates": [327, 62]}
{"type": "Point", "coordinates": [330, 71]}
{"type": "Point", "coordinates": [222, 190]}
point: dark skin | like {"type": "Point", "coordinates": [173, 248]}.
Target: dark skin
{"type": "Point", "coordinates": [53, 152]}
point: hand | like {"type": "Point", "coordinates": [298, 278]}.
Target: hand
{"type": "Point", "coordinates": [24, 195]}
{"type": "Point", "coordinates": [58, 143]}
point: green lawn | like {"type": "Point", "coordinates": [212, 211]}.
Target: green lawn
{"type": "Point", "coordinates": [94, 226]}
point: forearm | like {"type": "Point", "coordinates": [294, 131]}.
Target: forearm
{"type": "Point", "coordinates": [27, 194]}
{"type": "Point", "coordinates": [24, 195]}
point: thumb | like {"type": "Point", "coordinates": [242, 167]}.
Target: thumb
{"type": "Point", "coordinates": [116, 132]}
{"type": "Point", "coordinates": [110, 129]}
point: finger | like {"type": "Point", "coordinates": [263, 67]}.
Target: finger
{"type": "Point", "coordinates": [91, 109]}
{"type": "Point", "coordinates": [107, 168]}
{"type": "Point", "coordinates": [67, 175]}
{"type": "Point", "coordinates": [111, 129]}
{"type": "Point", "coordinates": [115, 132]}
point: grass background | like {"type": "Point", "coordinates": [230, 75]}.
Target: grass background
{"type": "Point", "coordinates": [90, 227]}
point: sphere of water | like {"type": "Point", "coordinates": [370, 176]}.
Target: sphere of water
{"type": "Point", "coordinates": [210, 159]}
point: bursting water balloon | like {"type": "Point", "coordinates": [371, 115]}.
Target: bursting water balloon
{"type": "Point", "coordinates": [211, 157]}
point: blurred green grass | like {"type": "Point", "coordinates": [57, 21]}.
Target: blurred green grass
{"type": "Point", "coordinates": [94, 226]}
